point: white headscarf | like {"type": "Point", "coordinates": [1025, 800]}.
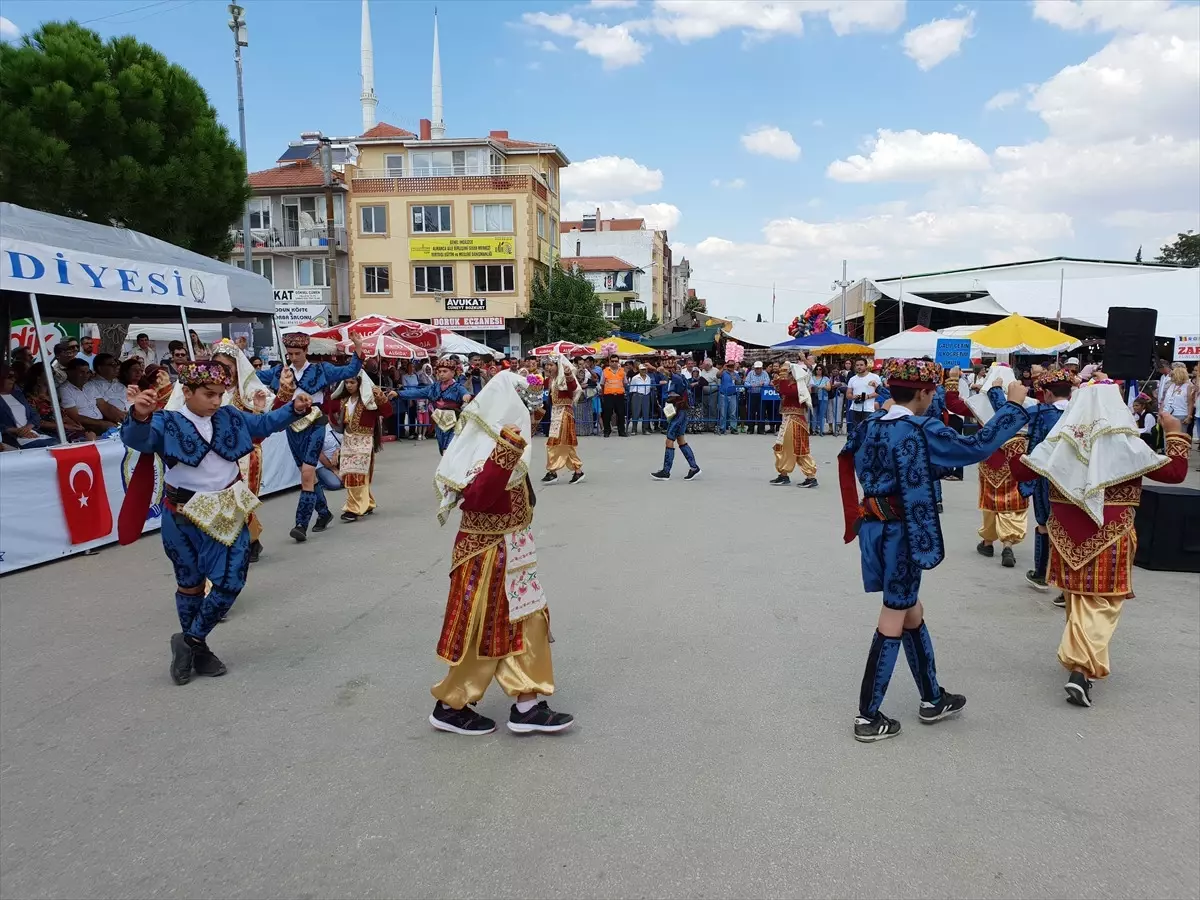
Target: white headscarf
{"type": "Point", "coordinates": [246, 381]}
{"type": "Point", "coordinates": [1094, 445]}
{"type": "Point", "coordinates": [366, 390]}
{"type": "Point", "coordinates": [803, 378]}
{"type": "Point", "coordinates": [499, 403]}
{"type": "Point", "coordinates": [560, 378]}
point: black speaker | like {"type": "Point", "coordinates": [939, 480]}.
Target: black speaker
{"type": "Point", "coordinates": [1129, 344]}
{"type": "Point", "coordinates": [1168, 528]}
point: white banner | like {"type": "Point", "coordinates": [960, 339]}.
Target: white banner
{"type": "Point", "coordinates": [1187, 348]}
{"type": "Point", "coordinates": [33, 527]}
{"type": "Point", "coordinates": [26, 266]}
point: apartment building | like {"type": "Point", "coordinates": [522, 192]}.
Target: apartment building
{"type": "Point", "coordinates": [627, 239]}
{"type": "Point", "coordinates": [618, 283]}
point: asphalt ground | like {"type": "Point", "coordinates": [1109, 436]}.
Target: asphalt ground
{"type": "Point", "coordinates": [710, 638]}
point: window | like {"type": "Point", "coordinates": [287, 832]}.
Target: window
{"type": "Point", "coordinates": [377, 280]}
{"type": "Point", "coordinates": [431, 219]}
{"type": "Point", "coordinates": [541, 224]}
{"type": "Point", "coordinates": [433, 279]}
{"type": "Point", "coordinates": [393, 164]}
{"type": "Point", "coordinates": [550, 179]}
{"type": "Point", "coordinates": [311, 273]}
{"type": "Point", "coordinates": [374, 219]}
{"type": "Point", "coordinates": [263, 267]}
{"type": "Point", "coordinates": [553, 231]}
{"type": "Point", "coordinates": [494, 279]}
{"type": "Point", "coordinates": [436, 163]}
{"type": "Point", "coordinates": [260, 212]}
{"type": "Point", "coordinates": [492, 217]}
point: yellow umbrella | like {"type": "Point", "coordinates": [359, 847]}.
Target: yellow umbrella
{"type": "Point", "coordinates": [1017, 334]}
{"type": "Point", "coordinates": [626, 348]}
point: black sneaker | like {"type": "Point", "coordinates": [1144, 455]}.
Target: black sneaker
{"type": "Point", "coordinates": [949, 705]}
{"type": "Point", "coordinates": [692, 474]}
{"type": "Point", "coordinates": [780, 480]}
{"type": "Point", "coordinates": [460, 721]}
{"type": "Point", "coordinates": [299, 535]}
{"type": "Point", "coordinates": [181, 659]}
{"type": "Point", "coordinates": [880, 728]}
{"type": "Point", "coordinates": [808, 483]}
{"type": "Point", "coordinates": [539, 718]}
{"type": "Point", "coordinates": [256, 549]}
{"type": "Point", "coordinates": [987, 550]}
{"type": "Point", "coordinates": [1007, 558]}
{"type": "Point", "coordinates": [349, 517]}
{"type": "Point", "coordinates": [1036, 581]}
{"type": "Point", "coordinates": [204, 661]}
{"type": "Point", "coordinates": [1079, 689]}
{"type": "Point", "coordinates": [940, 508]}
{"type": "Point", "coordinates": [1060, 601]}
{"type": "Point", "coordinates": [660, 475]}
{"type": "Point", "coordinates": [323, 522]}
{"type": "Point", "coordinates": [576, 478]}
{"type": "Point", "coordinates": [550, 478]}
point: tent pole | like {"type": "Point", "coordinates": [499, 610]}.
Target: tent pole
{"type": "Point", "coordinates": [47, 363]}
{"type": "Point", "coordinates": [187, 338]}
{"type": "Point", "coordinates": [279, 338]}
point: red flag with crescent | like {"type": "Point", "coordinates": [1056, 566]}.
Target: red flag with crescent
{"type": "Point", "coordinates": [82, 493]}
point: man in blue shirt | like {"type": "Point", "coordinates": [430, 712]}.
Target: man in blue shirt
{"type": "Point", "coordinates": [755, 382]}
{"type": "Point", "coordinates": [678, 401]}
{"type": "Point", "coordinates": [729, 388]}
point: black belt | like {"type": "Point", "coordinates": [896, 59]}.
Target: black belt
{"type": "Point", "coordinates": [887, 508]}
{"type": "Point", "coordinates": [177, 496]}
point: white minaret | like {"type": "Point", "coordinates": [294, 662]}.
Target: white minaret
{"type": "Point", "coordinates": [438, 128]}
{"type": "Point", "coordinates": [368, 73]}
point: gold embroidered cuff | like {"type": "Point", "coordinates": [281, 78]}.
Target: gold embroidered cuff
{"type": "Point", "coordinates": [1178, 445]}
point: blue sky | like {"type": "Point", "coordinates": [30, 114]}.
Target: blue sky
{"type": "Point", "coordinates": [772, 139]}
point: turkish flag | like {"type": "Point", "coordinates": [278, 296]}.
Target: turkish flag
{"type": "Point", "coordinates": [81, 490]}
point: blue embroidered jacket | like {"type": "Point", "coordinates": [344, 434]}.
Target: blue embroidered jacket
{"type": "Point", "coordinates": [904, 457]}
{"type": "Point", "coordinates": [318, 376]}
{"type": "Point", "coordinates": [176, 440]}
{"type": "Point", "coordinates": [1042, 420]}
{"type": "Point", "coordinates": [450, 397]}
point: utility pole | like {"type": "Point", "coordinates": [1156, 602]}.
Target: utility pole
{"type": "Point", "coordinates": [335, 306]}
{"type": "Point", "coordinates": [843, 284]}
{"type": "Point", "coordinates": [237, 24]}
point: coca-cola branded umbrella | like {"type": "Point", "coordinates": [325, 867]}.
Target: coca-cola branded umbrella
{"type": "Point", "coordinates": [388, 346]}
{"type": "Point", "coordinates": [566, 348]}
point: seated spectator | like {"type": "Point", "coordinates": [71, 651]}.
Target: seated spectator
{"type": "Point", "coordinates": [20, 359]}
{"type": "Point", "coordinates": [76, 404]}
{"type": "Point", "coordinates": [105, 390]}
{"type": "Point", "coordinates": [20, 423]}
{"type": "Point", "coordinates": [328, 459]}
{"type": "Point", "coordinates": [143, 348]}
{"type": "Point", "coordinates": [64, 351]}
{"type": "Point", "coordinates": [88, 351]}
{"type": "Point", "coordinates": [37, 393]}
{"type": "Point", "coordinates": [131, 371]}
{"type": "Point", "coordinates": [179, 356]}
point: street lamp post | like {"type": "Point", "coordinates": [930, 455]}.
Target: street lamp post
{"type": "Point", "coordinates": [843, 284]}
{"type": "Point", "coordinates": [237, 24]}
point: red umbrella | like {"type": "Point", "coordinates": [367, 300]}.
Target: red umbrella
{"type": "Point", "coordinates": [566, 348]}
{"type": "Point", "coordinates": [426, 336]}
{"type": "Point", "coordinates": [372, 324]}
{"type": "Point", "coordinates": [389, 346]}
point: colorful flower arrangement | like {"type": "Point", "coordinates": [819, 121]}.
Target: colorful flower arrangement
{"type": "Point", "coordinates": [915, 373]}
{"type": "Point", "coordinates": [535, 381]}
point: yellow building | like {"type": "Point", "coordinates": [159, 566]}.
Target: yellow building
{"type": "Point", "coordinates": [451, 230]}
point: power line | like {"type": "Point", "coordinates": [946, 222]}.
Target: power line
{"type": "Point", "coordinates": [764, 287]}
{"type": "Point", "coordinates": [125, 12]}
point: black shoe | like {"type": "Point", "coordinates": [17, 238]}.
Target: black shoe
{"type": "Point", "coordinates": [256, 549]}
{"type": "Point", "coordinates": [539, 718]}
{"type": "Point", "coordinates": [1060, 601]}
{"type": "Point", "coordinates": [348, 517]}
{"type": "Point", "coordinates": [808, 483]}
{"type": "Point", "coordinates": [323, 522]}
{"type": "Point", "coordinates": [1079, 689]}
{"type": "Point", "coordinates": [299, 535]}
{"type": "Point", "coordinates": [949, 705]}
{"type": "Point", "coordinates": [550, 478]}
{"type": "Point", "coordinates": [1036, 581]}
{"type": "Point", "coordinates": [660, 475]}
{"type": "Point", "coordinates": [1007, 558]}
{"type": "Point", "coordinates": [370, 512]}
{"type": "Point", "coordinates": [460, 721]}
{"type": "Point", "coordinates": [181, 659]}
{"type": "Point", "coordinates": [576, 478]}
{"type": "Point", "coordinates": [985, 549]}
{"type": "Point", "coordinates": [780, 479]}
{"type": "Point", "coordinates": [204, 661]}
{"type": "Point", "coordinates": [940, 510]}
{"type": "Point", "coordinates": [880, 728]}
{"type": "Point", "coordinates": [692, 474]}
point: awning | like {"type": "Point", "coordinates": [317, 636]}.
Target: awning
{"type": "Point", "coordinates": [985, 306]}
{"type": "Point", "coordinates": [913, 344]}
{"type": "Point", "coordinates": [1017, 334]}
{"type": "Point", "coordinates": [826, 342]}
{"type": "Point", "coordinates": [695, 339]}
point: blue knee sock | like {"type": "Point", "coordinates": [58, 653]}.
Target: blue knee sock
{"type": "Point", "coordinates": [668, 459]}
{"type": "Point", "coordinates": [686, 449]}
{"type": "Point", "coordinates": [321, 506]}
{"type": "Point", "coordinates": [1041, 553]}
{"type": "Point", "coordinates": [212, 606]}
{"type": "Point", "coordinates": [186, 606]}
{"type": "Point", "coordinates": [880, 661]}
{"type": "Point", "coordinates": [937, 491]}
{"type": "Point", "coordinates": [918, 647]}
{"type": "Point", "coordinates": [304, 508]}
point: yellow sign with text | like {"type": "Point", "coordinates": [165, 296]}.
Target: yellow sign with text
{"type": "Point", "coordinates": [461, 248]}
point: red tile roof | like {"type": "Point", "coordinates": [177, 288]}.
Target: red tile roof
{"type": "Point", "coordinates": [294, 175]}
{"type": "Point", "coordinates": [596, 263]}
{"type": "Point", "coordinates": [606, 225]}
{"type": "Point", "coordinates": [384, 130]}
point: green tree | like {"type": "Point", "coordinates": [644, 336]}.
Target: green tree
{"type": "Point", "coordinates": [693, 305]}
{"type": "Point", "coordinates": [566, 310]}
{"type": "Point", "coordinates": [635, 321]}
{"type": "Point", "coordinates": [1183, 251]}
{"type": "Point", "coordinates": [1138, 258]}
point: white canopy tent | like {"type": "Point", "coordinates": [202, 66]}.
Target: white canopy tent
{"type": "Point", "coordinates": [758, 334]}
{"type": "Point", "coordinates": [915, 343]}
{"type": "Point", "coordinates": [453, 342]}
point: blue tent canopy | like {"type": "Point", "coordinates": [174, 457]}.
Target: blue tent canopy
{"type": "Point", "coordinates": [826, 342]}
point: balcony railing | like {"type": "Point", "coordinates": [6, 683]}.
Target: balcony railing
{"type": "Point", "coordinates": [451, 180]}
{"type": "Point", "coordinates": [312, 238]}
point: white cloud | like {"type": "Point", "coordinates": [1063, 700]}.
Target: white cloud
{"type": "Point", "coordinates": [771, 141]}
{"type": "Point", "coordinates": [1113, 15]}
{"type": "Point", "coordinates": [1143, 220]}
{"type": "Point", "coordinates": [8, 30]}
{"type": "Point", "coordinates": [936, 41]}
{"type": "Point", "coordinates": [657, 215]}
{"type": "Point", "coordinates": [612, 4]}
{"type": "Point", "coordinates": [818, 123]}
{"type": "Point", "coordinates": [614, 45]}
{"type": "Point", "coordinates": [735, 184]}
{"type": "Point", "coordinates": [549, 46]}
{"type": "Point", "coordinates": [910, 156]}
{"type": "Point", "coordinates": [691, 20]}
{"type": "Point", "coordinates": [1002, 100]}
{"type": "Point", "coordinates": [610, 176]}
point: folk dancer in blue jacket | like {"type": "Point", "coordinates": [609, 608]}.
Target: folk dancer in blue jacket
{"type": "Point", "coordinates": [678, 394]}
{"type": "Point", "coordinates": [306, 438]}
{"type": "Point", "coordinates": [1055, 385]}
{"type": "Point", "coordinates": [897, 454]}
{"type": "Point", "coordinates": [206, 506]}
{"type": "Point", "coordinates": [447, 396]}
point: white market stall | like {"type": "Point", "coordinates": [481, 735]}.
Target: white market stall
{"type": "Point", "coordinates": [915, 343]}
{"type": "Point", "coordinates": [63, 500]}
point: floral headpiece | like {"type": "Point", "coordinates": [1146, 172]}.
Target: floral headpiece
{"type": "Point", "coordinates": [203, 371]}
{"type": "Point", "coordinates": [447, 362]}
{"type": "Point", "coordinates": [535, 382]}
{"type": "Point", "coordinates": [1049, 376]}
{"type": "Point", "coordinates": [296, 340]}
{"type": "Point", "coordinates": [918, 374]}
{"type": "Point", "coordinates": [225, 347]}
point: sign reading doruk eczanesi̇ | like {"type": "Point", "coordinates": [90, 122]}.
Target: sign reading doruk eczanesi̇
{"type": "Point", "coordinates": [469, 323]}
{"type": "Point", "coordinates": [28, 267]}
{"type": "Point", "coordinates": [473, 304]}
